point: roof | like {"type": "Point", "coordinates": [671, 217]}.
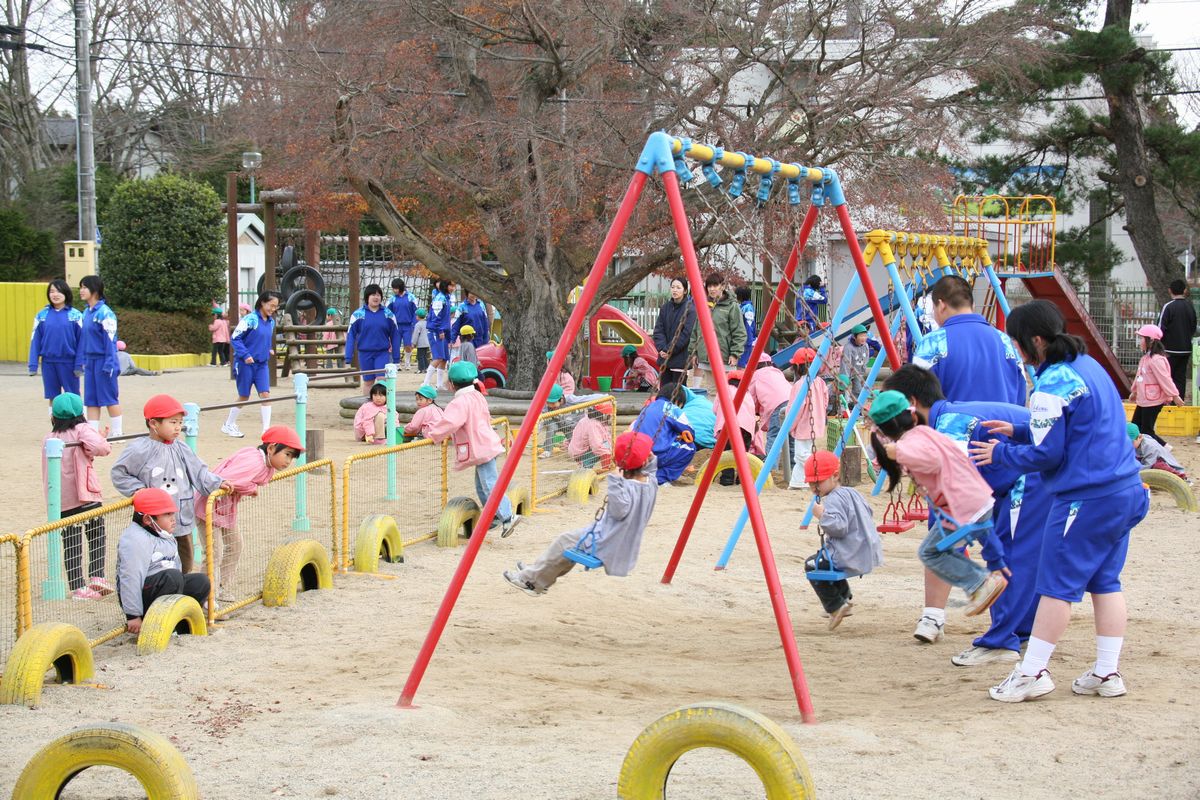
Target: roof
{"type": "Point", "coordinates": [250, 223]}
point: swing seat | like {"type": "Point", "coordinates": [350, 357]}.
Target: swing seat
{"type": "Point", "coordinates": [830, 574]}
{"type": "Point", "coordinates": [962, 536]}
{"type": "Point", "coordinates": [583, 558]}
{"type": "Point", "coordinates": [896, 526]}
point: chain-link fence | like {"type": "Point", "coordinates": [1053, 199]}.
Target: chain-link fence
{"type": "Point", "coordinates": [568, 439]}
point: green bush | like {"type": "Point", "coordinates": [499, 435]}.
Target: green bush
{"type": "Point", "coordinates": [164, 246]}
{"type": "Point", "coordinates": [159, 333]}
{"type": "Point", "coordinates": [24, 250]}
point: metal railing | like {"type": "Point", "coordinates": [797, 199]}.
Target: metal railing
{"type": "Point", "coordinates": [551, 444]}
{"type": "Point", "coordinates": [14, 602]}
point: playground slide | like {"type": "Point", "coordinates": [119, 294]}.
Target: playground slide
{"type": "Point", "coordinates": [1058, 290]}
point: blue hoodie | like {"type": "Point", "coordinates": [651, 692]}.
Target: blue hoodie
{"type": "Point", "coordinates": [253, 337]}
{"type": "Point", "coordinates": [56, 336]}
{"type": "Point", "coordinates": [98, 339]}
{"type": "Point", "coordinates": [475, 315]}
{"type": "Point", "coordinates": [372, 332]}
{"type": "Point", "coordinates": [973, 360]}
{"type": "Point", "coordinates": [403, 308]}
{"type": "Point", "coordinates": [674, 440]}
{"type": "Point", "coordinates": [1076, 433]}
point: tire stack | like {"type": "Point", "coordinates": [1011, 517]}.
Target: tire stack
{"type": "Point", "coordinates": [301, 286]}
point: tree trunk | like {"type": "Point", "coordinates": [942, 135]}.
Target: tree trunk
{"type": "Point", "coordinates": [531, 329]}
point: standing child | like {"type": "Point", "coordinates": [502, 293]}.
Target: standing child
{"type": "Point", "coordinates": [746, 427]}
{"type": "Point", "coordinates": [809, 428]}
{"type": "Point", "coordinates": [855, 355]}
{"type": "Point", "coordinates": [428, 412]}
{"type": "Point", "coordinates": [565, 380]}
{"type": "Point", "coordinates": [96, 357]}
{"type": "Point", "coordinates": [253, 341]}
{"type": "Point", "coordinates": [404, 308]}
{"type": "Point", "coordinates": [220, 338]}
{"type": "Point", "coordinates": [466, 346]}
{"type": "Point", "coordinates": [79, 492]}
{"type": "Point", "coordinates": [770, 391]}
{"type": "Point", "coordinates": [161, 461]}
{"type": "Point", "coordinates": [370, 421]}
{"type": "Point", "coordinates": [420, 340]}
{"type": "Point", "coordinates": [374, 336]}
{"type": "Point", "coordinates": [591, 441]}
{"type": "Point", "coordinates": [849, 534]}
{"type": "Point", "coordinates": [1153, 387]}
{"type": "Point", "coordinates": [330, 337]}
{"type": "Point", "coordinates": [56, 333]}
{"type": "Point", "coordinates": [617, 535]}
{"type": "Point", "coordinates": [746, 307]}
{"type": "Point", "coordinates": [246, 470]}
{"type": "Point", "coordinates": [466, 420]}
{"type": "Point", "coordinates": [954, 487]}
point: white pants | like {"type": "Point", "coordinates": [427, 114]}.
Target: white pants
{"type": "Point", "coordinates": [801, 450]}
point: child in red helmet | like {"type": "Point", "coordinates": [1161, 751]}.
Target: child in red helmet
{"type": "Point", "coordinates": [808, 431]}
{"type": "Point", "coordinates": [618, 532]}
{"type": "Point", "coordinates": [852, 542]}
{"type": "Point", "coordinates": [245, 470]}
{"type": "Point", "coordinates": [148, 556]}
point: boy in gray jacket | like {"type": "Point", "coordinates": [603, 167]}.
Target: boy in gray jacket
{"type": "Point", "coordinates": [852, 541]}
{"type": "Point", "coordinates": [627, 510]}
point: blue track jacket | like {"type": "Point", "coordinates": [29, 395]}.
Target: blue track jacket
{"type": "Point", "coordinates": [475, 315]}
{"type": "Point", "coordinates": [98, 339]}
{"type": "Point", "coordinates": [403, 308]}
{"type": "Point", "coordinates": [372, 332]}
{"type": "Point", "coordinates": [56, 336]}
{"type": "Point", "coordinates": [973, 360]}
{"type": "Point", "coordinates": [254, 337]}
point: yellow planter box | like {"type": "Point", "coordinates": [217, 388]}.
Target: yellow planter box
{"type": "Point", "coordinates": [177, 361]}
{"type": "Point", "coordinates": [1173, 420]}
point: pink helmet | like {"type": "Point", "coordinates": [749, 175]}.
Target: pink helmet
{"type": "Point", "coordinates": [1150, 331]}
{"type": "Point", "coordinates": [120, 345]}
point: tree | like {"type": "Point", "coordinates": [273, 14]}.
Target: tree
{"type": "Point", "coordinates": [25, 251]}
{"type": "Point", "coordinates": [164, 245]}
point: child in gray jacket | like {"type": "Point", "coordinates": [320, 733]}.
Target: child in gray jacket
{"type": "Point", "coordinates": [618, 533]}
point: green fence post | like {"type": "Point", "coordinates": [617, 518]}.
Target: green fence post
{"type": "Point", "coordinates": [191, 432]}
{"type": "Point", "coordinates": [389, 380]}
{"type": "Point", "coordinates": [301, 521]}
{"type": "Point", "coordinates": [54, 587]}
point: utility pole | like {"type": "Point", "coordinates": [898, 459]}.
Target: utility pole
{"type": "Point", "coordinates": [85, 157]}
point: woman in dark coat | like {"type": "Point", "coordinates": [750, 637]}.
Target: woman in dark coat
{"type": "Point", "coordinates": [672, 332]}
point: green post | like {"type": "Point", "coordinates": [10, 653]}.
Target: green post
{"type": "Point", "coordinates": [191, 432]}
{"type": "Point", "coordinates": [389, 380]}
{"type": "Point", "coordinates": [54, 587]}
{"type": "Point", "coordinates": [301, 521]}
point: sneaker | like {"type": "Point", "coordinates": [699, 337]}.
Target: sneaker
{"type": "Point", "coordinates": [974, 656]}
{"type": "Point", "coordinates": [525, 586]}
{"type": "Point", "coordinates": [85, 593]}
{"type": "Point", "coordinates": [929, 630]}
{"type": "Point", "coordinates": [232, 430]}
{"type": "Point", "coordinates": [983, 597]}
{"type": "Point", "coordinates": [840, 614]}
{"type": "Point", "coordinates": [100, 585]}
{"type": "Point", "coordinates": [510, 526]}
{"type": "Point", "coordinates": [1017, 687]}
{"type": "Point", "coordinates": [1090, 683]}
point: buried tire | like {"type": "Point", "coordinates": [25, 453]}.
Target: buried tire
{"type": "Point", "coordinates": [457, 520]}
{"type": "Point", "coordinates": [158, 766]}
{"type": "Point", "coordinates": [582, 485]}
{"type": "Point", "coordinates": [378, 537]}
{"type": "Point", "coordinates": [45, 646]}
{"type": "Point", "coordinates": [519, 497]}
{"type": "Point", "coordinates": [302, 564]}
{"type": "Point", "coordinates": [726, 461]}
{"type": "Point", "coordinates": [754, 738]}
{"type": "Point", "coordinates": [171, 613]}
{"type": "Point", "coordinates": [1172, 485]}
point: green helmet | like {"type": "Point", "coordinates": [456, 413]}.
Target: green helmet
{"type": "Point", "coordinates": [556, 394]}
{"type": "Point", "coordinates": [463, 372]}
{"type": "Point", "coordinates": [428, 391]}
{"type": "Point", "coordinates": [1133, 430]}
{"type": "Point", "coordinates": [628, 350]}
{"type": "Point", "coordinates": [67, 405]}
{"type": "Point", "coordinates": [857, 329]}
{"type": "Point", "coordinates": [888, 405]}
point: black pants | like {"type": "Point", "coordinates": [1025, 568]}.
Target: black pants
{"type": "Point", "coordinates": [832, 594]}
{"type": "Point", "coordinates": [422, 359]}
{"type": "Point", "coordinates": [172, 581]}
{"type": "Point", "coordinates": [1146, 417]}
{"type": "Point", "coordinates": [1179, 367]}
{"type": "Point", "coordinates": [72, 538]}
{"type": "Point", "coordinates": [728, 477]}
{"type": "Point", "coordinates": [219, 350]}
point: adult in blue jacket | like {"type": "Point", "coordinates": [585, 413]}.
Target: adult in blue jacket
{"type": "Point", "coordinates": [56, 332]}
{"type": "Point", "coordinates": [374, 336]}
{"type": "Point", "coordinates": [404, 308]}
{"type": "Point", "coordinates": [473, 312]}
{"type": "Point", "coordinates": [96, 356]}
{"type": "Point", "coordinates": [252, 342]}
{"type": "Point", "coordinates": [1076, 439]}
{"type": "Point", "coordinates": [437, 326]}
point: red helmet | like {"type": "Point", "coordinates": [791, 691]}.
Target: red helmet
{"type": "Point", "coordinates": [632, 450]}
{"type": "Point", "coordinates": [154, 502]}
{"type": "Point", "coordinates": [282, 434]}
{"type": "Point", "coordinates": [605, 409]}
{"type": "Point", "coordinates": [805, 355]}
{"type": "Point", "coordinates": [734, 375]}
{"type": "Point", "coordinates": [161, 406]}
{"type": "Point", "coordinates": [821, 465]}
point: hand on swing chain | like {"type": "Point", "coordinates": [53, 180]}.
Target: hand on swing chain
{"type": "Point", "coordinates": [981, 452]}
{"type": "Point", "coordinates": [818, 510]}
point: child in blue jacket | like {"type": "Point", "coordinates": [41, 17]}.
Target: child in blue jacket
{"type": "Point", "coordinates": [96, 357]}
{"type": "Point", "coordinates": [253, 340]}
{"type": "Point", "coordinates": [404, 308]}
{"type": "Point", "coordinates": [674, 440]}
{"type": "Point", "coordinates": [374, 335]}
{"type": "Point", "coordinates": [57, 329]}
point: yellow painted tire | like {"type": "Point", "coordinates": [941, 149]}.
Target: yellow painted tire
{"type": "Point", "coordinates": [519, 498]}
{"type": "Point", "coordinates": [457, 520]}
{"type": "Point", "coordinates": [582, 485]}
{"type": "Point", "coordinates": [303, 563]}
{"type": "Point", "coordinates": [159, 767]}
{"type": "Point", "coordinates": [46, 645]}
{"type": "Point", "coordinates": [726, 461]}
{"type": "Point", "coordinates": [1172, 485]}
{"type": "Point", "coordinates": [171, 613]}
{"type": "Point", "coordinates": [758, 741]}
{"type": "Point", "coordinates": [378, 537]}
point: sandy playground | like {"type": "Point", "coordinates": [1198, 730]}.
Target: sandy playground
{"type": "Point", "coordinates": [541, 697]}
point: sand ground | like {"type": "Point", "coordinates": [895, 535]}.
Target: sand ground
{"type": "Point", "coordinates": [541, 697]}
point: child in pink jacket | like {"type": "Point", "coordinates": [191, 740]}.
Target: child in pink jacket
{"type": "Point", "coordinates": [370, 421]}
{"type": "Point", "coordinates": [746, 426]}
{"type": "Point", "coordinates": [944, 473]}
{"type": "Point", "coordinates": [808, 431]}
{"type": "Point", "coordinates": [80, 492]}
{"type": "Point", "coordinates": [247, 469]}
{"type": "Point", "coordinates": [220, 338]}
{"type": "Point", "coordinates": [770, 390]}
{"type": "Point", "coordinates": [468, 422]}
{"type": "Point", "coordinates": [1153, 386]}
{"type": "Point", "coordinates": [428, 412]}
{"type": "Point", "coordinates": [591, 440]}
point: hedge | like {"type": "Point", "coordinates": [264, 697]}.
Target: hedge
{"type": "Point", "coordinates": [158, 333]}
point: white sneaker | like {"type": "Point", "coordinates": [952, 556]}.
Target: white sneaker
{"type": "Point", "coordinates": [525, 586]}
{"type": "Point", "coordinates": [974, 656]}
{"type": "Point", "coordinates": [1017, 687]}
{"type": "Point", "coordinates": [232, 430]}
{"type": "Point", "coordinates": [510, 526]}
{"type": "Point", "coordinates": [836, 617]}
{"type": "Point", "coordinates": [983, 597]}
{"type": "Point", "coordinates": [929, 630]}
{"type": "Point", "coordinates": [1091, 683]}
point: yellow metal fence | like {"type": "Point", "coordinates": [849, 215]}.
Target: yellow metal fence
{"type": "Point", "coordinates": [565, 441]}
{"type": "Point", "coordinates": [12, 600]}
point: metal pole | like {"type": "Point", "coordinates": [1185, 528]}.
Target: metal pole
{"type": "Point", "coordinates": [231, 239]}
{"type": "Point", "coordinates": [301, 521]}
{"type": "Point", "coordinates": [85, 147]}
{"type": "Point", "coordinates": [839, 202]}
{"type": "Point", "coordinates": [389, 380]}
{"type": "Point", "coordinates": [54, 587]}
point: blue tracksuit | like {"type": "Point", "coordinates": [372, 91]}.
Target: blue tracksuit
{"type": "Point", "coordinates": [973, 360]}
{"type": "Point", "coordinates": [475, 315]}
{"type": "Point", "coordinates": [674, 440]}
{"type": "Point", "coordinates": [1076, 439]}
{"type": "Point", "coordinates": [751, 326]}
{"type": "Point", "coordinates": [97, 356]}
{"type": "Point", "coordinates": [437, 323]}
{"type": "Point", "coordinates": [254, 337]}
{"type": "Point", "coordinates": [376, 337]}
{"type": "Point", "coordinates": [55, 341]}
{"type": "Point", "coordinates": [404, 309]}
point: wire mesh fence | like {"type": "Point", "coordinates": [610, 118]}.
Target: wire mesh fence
{"type": "Point", "coordinates": [298, 503]}
{"type": "Point", "coordinates": [73, 571]}
{"type": "Point", "coordinates": [568, 439]}
{"type": "Point", "coordinates": [461, 483]}
{"type": "Point", "coordinates": [12, 593]}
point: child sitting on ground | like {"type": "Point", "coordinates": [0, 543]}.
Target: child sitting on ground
{"type": "Point", "coordinates": [1150, 454]}
{"type": "Point", "coordinates": [664, 421]}
{"type": "Point", "coordinates": [851, 539]}
{"type": "Point", "coordinates": [161, 461]}
{"type": "Point", "coordinates": [370, 421]}
{"type": "Point", "coordinates": [953, 485]}
{"type": "Point", "coordinates": [591, 441]}
{"type": "Point", "coordinates": [746, 426]}
{"type": "Point", "coordinates": [639, 375]}
{"type": "Point", "coordinates": [128, 368]}
{"type": "Point", "coordinates": [559, 424]}
{"type": "Point", "coordinates": [427, 413]}
{"type": "Point", "coordinates": [467, 420]}
{"type": "Point", "coordinates": [246, 470]}
{"type": "Point", "coordinates": [618, 532]}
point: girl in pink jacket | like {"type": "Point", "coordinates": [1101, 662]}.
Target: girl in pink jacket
{"type": "Point", "coordinates": [80, 492]}
{"type": "Point", "coordinates": [428, 412]}
{"type": "Point", "coordinates": [1153, 387]}
{"type": "Point", "coordinates": [944, 473]}
{"type": "Point", "coordinates": [247, 469]}
{"type": "Point", "coordinates": [591, 440]}
{"type": "Point", "coordinates": [808, 431]}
